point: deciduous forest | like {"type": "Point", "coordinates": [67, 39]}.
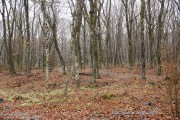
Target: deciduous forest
{"type": "Point", "coordinates": [89, 59]}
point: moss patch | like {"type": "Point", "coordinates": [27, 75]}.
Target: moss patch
{"type": "Point", "coordinates": [107, 96]}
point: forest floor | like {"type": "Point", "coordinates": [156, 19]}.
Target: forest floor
{"type": "Point", "coordinates": [121, 95]}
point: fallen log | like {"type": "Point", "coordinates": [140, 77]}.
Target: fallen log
{"type": "Point", "coordinates": [85, 74]}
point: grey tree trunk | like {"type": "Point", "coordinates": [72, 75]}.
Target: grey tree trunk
{"type": "Point", "coordinates": [46, 32]}
{"type": "Point", "coordinates": [159, 36]}
{"type": "Point", "coordinates": [129, 21]}
{"type": "Point", "coordinates": [85, 61]}
{"type": "Point", "coordinates": [75, 56]}
{"type": "Point", "coordinates": [76, 30]}
{"type": "Point", "coordinates": [53, 27]}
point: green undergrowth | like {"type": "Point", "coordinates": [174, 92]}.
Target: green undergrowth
{"type": "Point", "coordinates": [86, 94]}
{"type": "Point", "coordinates": [31, 98]}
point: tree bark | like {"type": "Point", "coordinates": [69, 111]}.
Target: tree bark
{"type": "Point", "coordinates": [129, 21]}
{"type": "Point", "coordinates": [8, 45]}
{"type": "Point", "coordinates": [150, 33]}
{"type": "Point", "coordinates": [53, 27]}
{"type": "Point", "coordinates": [93, 36]}
{"type": "Point", "coordinates": [20, 42]}
{"type": "Point", "coordinates": [26, 6]}
{"type": "Point", "coordinates": [142, 38]}
{"type": "Point", "coordinates": [159, 36]}
{"type": "Point", "coordinates": [85, 61]}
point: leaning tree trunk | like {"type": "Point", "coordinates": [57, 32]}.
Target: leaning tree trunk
{"type": "Point", "coordinates": [53, 26]}
{"type": "Point", "coordinates": [58, 49]}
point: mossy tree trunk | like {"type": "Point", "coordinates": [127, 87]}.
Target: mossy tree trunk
{"type": "Point", "coordinates": [142, 15]}
{"type": "Point", "coordinates": [26, 6]}
{"type": "Point", "coordinates": [46, 33]}
{"type": "Point", "coordinates": [75, 33]}
{"type": "Point", "coordinates": [93, 37]}
{"type": "Point", "coordinates": [20, 42]}
{"type": "Point", "coordinates": [99, 35]}
{"type": "Point", "coordinates": [77, 30]}
{"type": "Point", "coordinates": [150, 33]}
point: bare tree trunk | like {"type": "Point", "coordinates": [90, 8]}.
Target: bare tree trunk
{"type": "Point", "coordinates": [58, 49]}
{"type": "Point", "coordinates": [159, 36]}
{"type": "Point", "coordinates": [142, 38]}
{"type": "Point", "coordinates": [118, 54]}
{"type": "Point", "coordinates": [93, 36]}
{"type": "Point", "coordinates": [46, 49]}
{"type": "Point", "coordinates": [150, 33]}
{"type": "Point", "coordinates": [84, 46]}
{"type": "Point", "coordinates": [129, 21]}
{"type": "Point", "coordinates": [54, 32]}
{"type": "Point", "coordinates": [33, 34]}
{"type": "Point", "coordinates": [99, 34]}
{"type": "Point", "coordinates": [53, 26]}
{"type": "Point", "coordinates": [21, 42]}
{"type": "Point", "coordinates": [47, 59]}
{"type": "Point", "coordinates": [107, 21]}
{"type": "Point", "coordinates": [8, 45]}
{"type": "Point", "coordinates": [178, 53]}
{"type": "Point", "coordinates": [75, 56]}
{"type": "Point", "coordinates": [26, 6]}
{"type": "Point", "coordinates": [76, 30]}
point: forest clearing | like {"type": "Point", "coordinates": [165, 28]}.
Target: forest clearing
{"type": "Point", "coordinates": [121, 94]}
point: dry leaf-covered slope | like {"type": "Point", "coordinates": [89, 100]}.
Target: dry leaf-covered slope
{"type": "Point", "coordinates": [121, 94]}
